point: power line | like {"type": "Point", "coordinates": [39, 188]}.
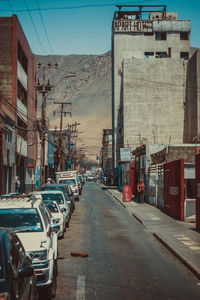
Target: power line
{"type": "Point", "coordinates": [47, 36]}
{"type": "Point", "coordinates": [75, 7]}
{"type": "Point", "coordinates": [28, 10]}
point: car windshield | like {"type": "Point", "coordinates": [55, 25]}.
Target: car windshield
{"type": "Point", "coordinates": [56, 188]}
{"type": "Point", "coordinates": [21, 219]}
{"type": "Point", "coordinates": [53, 197]}
{"type": "Point", "coordinates": [68, 181]}
{"type": "Point", "coordinates": [52, 207]}
{"type": "Point", "coordinates": [2, 275]}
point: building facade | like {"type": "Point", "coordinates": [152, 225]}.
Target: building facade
{"type": "Point", "coordinates": [18, 106]}
{"type": "Point", "coordinates": [149, 65]}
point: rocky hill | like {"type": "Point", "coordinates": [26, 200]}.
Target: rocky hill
{"type": "Point", "coordinates": [89, 93]}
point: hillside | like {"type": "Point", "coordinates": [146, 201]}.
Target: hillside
{"type": "Point", "coordinates": [89, 92]}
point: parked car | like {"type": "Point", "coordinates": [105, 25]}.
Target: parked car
{"type": "Point", "coordinates": [66, 189]}
{"type": "Point", "coordinates": [59, 197]}
{"type": "Point", "coordinates": [31, 220]}
{"type": "Point", "coordinates": [17, 278]}
{"type": "Point", "coordinates": [74, 185]}
{"type": "Point", "coordinates": [57, 215]}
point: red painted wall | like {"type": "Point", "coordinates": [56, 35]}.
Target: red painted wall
{"type": "Point", "coordinates": [174, 189]}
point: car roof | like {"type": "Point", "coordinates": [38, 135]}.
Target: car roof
{"type": "Point", "coordinates": [48, 192]}
{"type": "Point", "coordinates": [53, 185]}
{"type": "Point", "coordinates": [20, 201]}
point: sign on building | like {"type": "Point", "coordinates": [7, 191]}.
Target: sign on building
{"type": "Point", "coordinates": [133, 26]}
{"type": "Point", "coordinates": [125, 154]}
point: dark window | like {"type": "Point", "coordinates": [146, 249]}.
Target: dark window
{"type": "Point", "coordinates": [21, 93]}
{"type": "Point", "coordinates": [22, 58]}
{"type": "Point", "coordinates": [160, 36]}
{"type": "Point", "coordinates": [184, 55]}
{"type": "Point", "coordinates": [161, 54]}
{"type": "Point", "coordinates": [148, 33]}
{"type": "Point", "coordinates": [22, 128]}
{"type": "Point", "coordinates": [184, 36]}
{"type": "Point", "coordinates": [190, 189]}
{"type": "Point", "coordinates": [147, 54]}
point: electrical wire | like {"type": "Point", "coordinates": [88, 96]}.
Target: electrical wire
{"type": "Point", "coordinates": [45, 30]}
{"type": "Point", "coordinates": [30, 16]}
{"type": "Point", "coordinates": [76, 7]}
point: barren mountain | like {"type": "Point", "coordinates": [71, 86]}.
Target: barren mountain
{"type": "Point", "coordinates": [89, 93]}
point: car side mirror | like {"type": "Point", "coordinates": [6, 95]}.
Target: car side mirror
{"type": "Point", "coordinates": [55, 227]}
{"type": "Point", "coordinates": [26, 271]}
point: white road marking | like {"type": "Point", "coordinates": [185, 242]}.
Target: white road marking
{"type": "Point", "coordinates": [191, 243]}
{"type": "Point", "coordinates": [184, 238]}
{"type": "Point", "coordinates": [80, 292]}
{"type": "Point", "coordinates": [152, 217]}
{"type": "Point", "coordinates": [194, 248]}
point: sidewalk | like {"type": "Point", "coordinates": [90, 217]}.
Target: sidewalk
{"type": "Point", "coordinates": [180, 238]}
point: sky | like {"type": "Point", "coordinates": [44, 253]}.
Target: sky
{"type": "Point", "coordinates": [83, 26]}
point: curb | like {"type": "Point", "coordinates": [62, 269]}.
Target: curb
{"type": "Point", "coordinates": [179, 257]}
{"type": "Point", "coordinates": [164, 243]}
{"type": "Point", "coordinates": [116, 199]}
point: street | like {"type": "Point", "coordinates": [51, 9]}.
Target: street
{"type": "Point", "coordinates": [124, 260]}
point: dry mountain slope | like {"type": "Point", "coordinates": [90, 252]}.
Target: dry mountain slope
{"type": "Point", "coordinates": [89, 92]}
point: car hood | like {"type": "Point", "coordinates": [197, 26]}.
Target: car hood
{"type": "Point", "coordinates": [32, 240]}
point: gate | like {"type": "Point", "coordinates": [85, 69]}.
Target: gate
{"type": "Point", "coordinates": [174, 189]}
{"type": "Point", "coordinates": [197, 175]}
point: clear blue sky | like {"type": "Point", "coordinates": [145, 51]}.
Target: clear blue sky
{"type": "Point", "coordinates": [83, 26]}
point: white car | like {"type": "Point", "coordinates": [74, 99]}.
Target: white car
{"type": "Point", "coordinates": [30, 219]}
{"type": "Point", "coordinates": [57, 215]}
{"type": "Point", "coordinates": [59, 197]}
{"type": "Point", "coordinates": [73, 183]}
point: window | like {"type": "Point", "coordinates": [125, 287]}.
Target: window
{"type": "Point", "coordinates": [148, 33]}
{"type": "Point", "coordinates": [21, 93]}
{"type": "Point", "coordinates": [148, 54]}
{"type": "Point", "coordinates": [184, 55]}
{"type": "Point", "coordinates": [22, 58]}
{"type": "Point", "coordinates": [184, 36]}
{"type": "Point", "coordinates": [160, 36]}
{"type": "Point", "coordinates": [161, 54]}
{"type": "Point", "coordinates": [190, 189]}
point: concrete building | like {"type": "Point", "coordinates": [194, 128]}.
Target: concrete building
{"type": "Point", "coordinates": [18, 106]}
{"type": "Point", "coordinates": [192, 100]}
{"type": "Point", "coordinates": [149, 63]}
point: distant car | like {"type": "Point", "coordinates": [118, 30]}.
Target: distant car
{"type": "Point", "coordinates": [17, 279]}
{"type": "Point", "coordinates": [58, 216]}
{"type": "Point", "coordinates": [73, 183]}
{"type": "Point", "coordinates": [59, 197]}
{"type": "Point", "coordinates": [66, 189]}
{"type": "Point", "coordinates": [90, 178]}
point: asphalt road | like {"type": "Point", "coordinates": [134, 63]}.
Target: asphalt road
{"type": "Point", "coordinates": [125, 261]}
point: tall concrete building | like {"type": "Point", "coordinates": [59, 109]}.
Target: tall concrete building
{"type": "Point", "coordinates": [150, 50]}
{"type": "Point", "coordinates": [18, 106]}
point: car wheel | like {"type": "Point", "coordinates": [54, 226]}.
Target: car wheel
{"type": "Point", "coordinates": [50, 290]}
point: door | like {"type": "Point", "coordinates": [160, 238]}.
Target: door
{"type": "Point", "coordinates": [174, 189]}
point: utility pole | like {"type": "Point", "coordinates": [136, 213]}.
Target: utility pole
{"type": "Point", "coordinates": [72, 134]}
{"type": "Point", "coordinates": [60, 145]}
{"type": "Point", "coordinates": [43, 89]}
